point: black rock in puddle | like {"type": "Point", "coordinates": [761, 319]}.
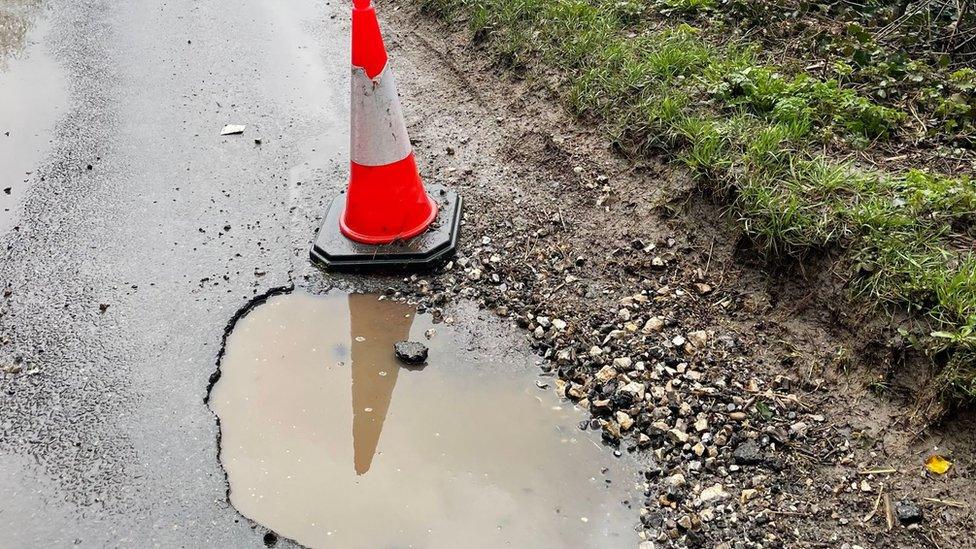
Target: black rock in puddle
{"type": "Point", "coordinates": [410, 352]}
{"type": "Point", "coordinates": [908, 512]}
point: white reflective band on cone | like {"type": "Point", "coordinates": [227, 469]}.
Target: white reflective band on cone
{"type": "Point", "coordinates": [379, 135]}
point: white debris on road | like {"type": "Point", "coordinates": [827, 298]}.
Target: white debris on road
{"type": "Point", "coordinates": [233, 129]}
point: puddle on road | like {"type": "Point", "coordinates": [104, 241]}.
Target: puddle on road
{"type": "Point", "coordinates": [33, 94]}
{"type": "Point", "coordinates": [327, 440]}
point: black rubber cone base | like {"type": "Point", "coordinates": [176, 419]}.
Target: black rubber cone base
{"type": "Point", "coordinates": [334, 251]}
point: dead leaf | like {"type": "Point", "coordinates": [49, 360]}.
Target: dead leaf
{"type": "Point", "coordinates": [937, 464]}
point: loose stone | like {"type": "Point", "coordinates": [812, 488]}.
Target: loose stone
{"type": "Point", "coordinates": [411, 352]}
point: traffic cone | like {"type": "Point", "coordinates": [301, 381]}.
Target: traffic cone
{"type": "Point", "coordinates": [386, 217]}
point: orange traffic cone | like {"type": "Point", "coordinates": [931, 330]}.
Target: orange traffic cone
{"type": "Point", "coordinates": [386, 218]}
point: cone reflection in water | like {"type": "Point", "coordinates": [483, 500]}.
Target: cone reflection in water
{"type": "Point", "coordinates": [374, 327]}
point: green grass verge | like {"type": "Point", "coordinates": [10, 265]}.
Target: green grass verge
{"type": "Point", "coordinates": [746, 129]}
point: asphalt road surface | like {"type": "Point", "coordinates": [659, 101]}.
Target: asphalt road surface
{"type": "Point", "coordinates": [131, 233]}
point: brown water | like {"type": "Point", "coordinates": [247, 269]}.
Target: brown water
{"type": "Point", "coordinates": [327, 440]}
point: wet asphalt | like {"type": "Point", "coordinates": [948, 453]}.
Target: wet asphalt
{"type": "Point", "coordinates": [134, 238]}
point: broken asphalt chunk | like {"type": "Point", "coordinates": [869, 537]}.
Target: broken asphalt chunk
{"type": "Point", "coordinates": [410, 352]}
{"type": "Point", "coordinates": [908, 512]}
{"type": "Point", "coordinates": [747, 453]}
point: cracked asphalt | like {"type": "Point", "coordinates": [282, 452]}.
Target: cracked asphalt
{"type": "Point", "coordinates": [135, 237]}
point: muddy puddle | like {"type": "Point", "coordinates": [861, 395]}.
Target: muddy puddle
{"type": "Point", "coordinates": [326, 439]}
{"type": "Point", "coordinates": [33, 94]}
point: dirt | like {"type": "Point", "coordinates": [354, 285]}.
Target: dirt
{"type": "Point", "coordinates": [559, 225]}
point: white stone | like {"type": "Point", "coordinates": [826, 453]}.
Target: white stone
{"type": "Point", "coordinates": [698, 338]}
{"type": "Point", "coordinates": [634, 389]}
{"type": "Point", "coordinates": [625, 421]}
{"type": "Point", "coordinates": [606, 374]}
{"type": "Point", "coordinates": [622, 363]}
{"type": "Point", "coordinates": [711, 494]}
{"type": "Point", "coordinates": [653, 324]}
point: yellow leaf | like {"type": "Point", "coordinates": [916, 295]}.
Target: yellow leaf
{"type": "Point", "coordinates": [937, 464]}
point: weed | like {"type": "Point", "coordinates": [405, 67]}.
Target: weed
{"type": "Point", "coordinates": [687, 6]}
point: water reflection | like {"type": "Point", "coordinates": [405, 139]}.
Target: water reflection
{"type": "Point", "coordinates": [33, 95]}
{"type": "Point", "coordinates": [16, 19]}
{"type": "Point", "coordinates": [375, 327]}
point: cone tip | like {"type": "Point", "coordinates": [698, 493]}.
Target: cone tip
{"type": "Point", "coordinates": [368, 51]}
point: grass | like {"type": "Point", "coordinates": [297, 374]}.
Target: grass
{"type": "Point", "coordinates": [757, 134]}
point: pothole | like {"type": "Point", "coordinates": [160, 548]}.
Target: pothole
{"type": "Point", "coordinates": [328, 440]}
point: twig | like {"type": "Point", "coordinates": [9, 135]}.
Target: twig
{"type": "Point", "coordinates": [709, 261]}
{"type": "Point", "coordinates": [877, 503]}
{"type": "Point", "coordinates": [886, 471]}
{"type": "Point", "coordinates": [556, 289]}
{"type": "Point", "coordinates": [791, 513]}
{"type": "Point", "coordinates": [901, 19]}
{"type": "Point", "coordinates": [948, 502]}
{"type": "Point", "coordinates": [889, 516]}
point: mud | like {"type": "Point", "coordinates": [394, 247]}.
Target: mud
{"type": "Point", "coordinates": [328, 440]}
